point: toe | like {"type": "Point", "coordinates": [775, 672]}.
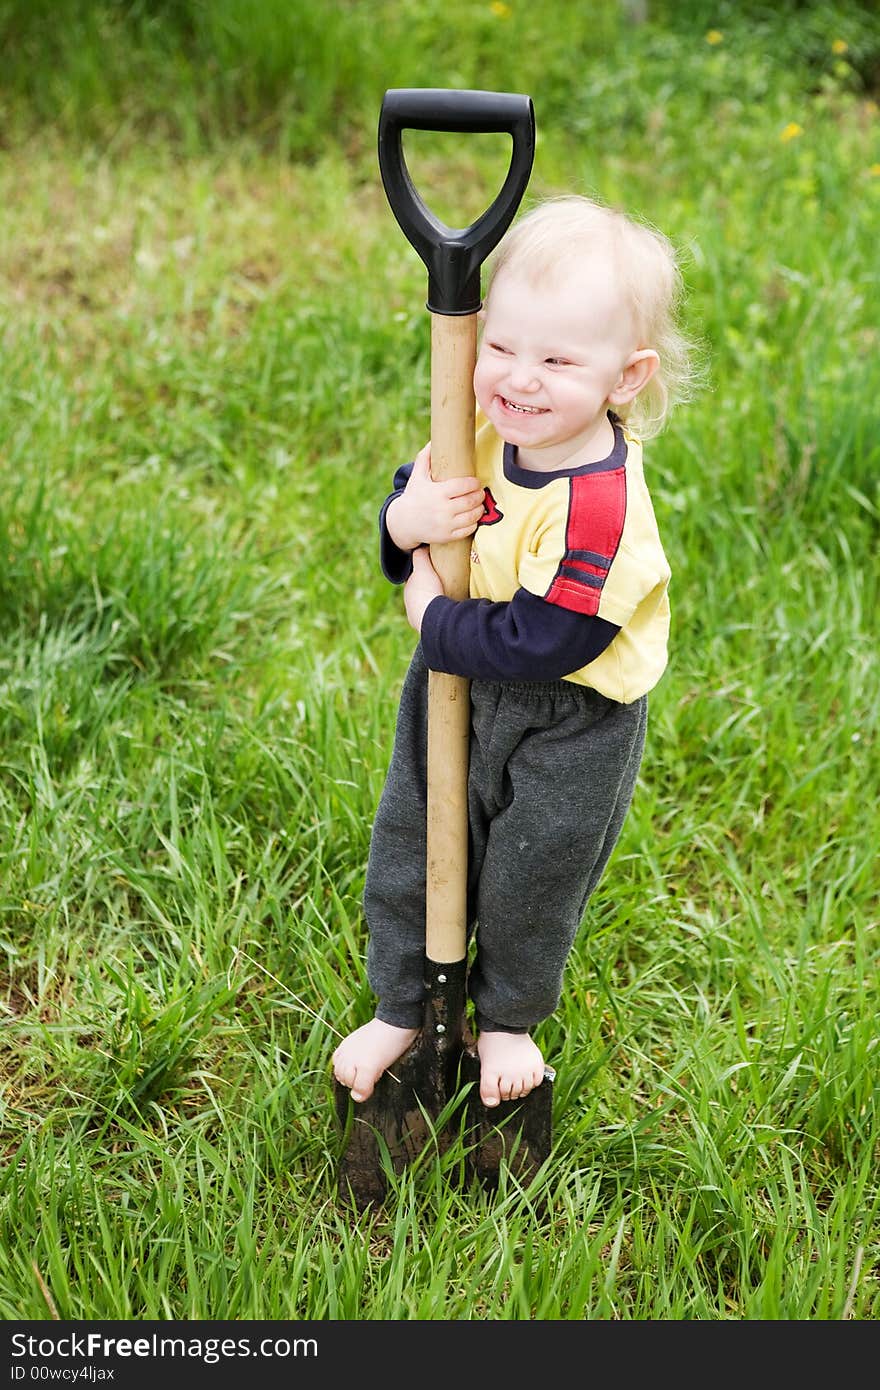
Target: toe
{"type": "Point", "coordinates": [490, 1094]}
{"type": "Point", "coordinates": [361, 1086]}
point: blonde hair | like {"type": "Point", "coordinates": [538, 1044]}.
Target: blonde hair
{"type": "Point", "coordinates": [559, 233]}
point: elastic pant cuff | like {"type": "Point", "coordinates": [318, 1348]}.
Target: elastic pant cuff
{"type": "Point", "coordinates": [401, 1015]}
{"type": "Point", "coordinates": [488, 1025]}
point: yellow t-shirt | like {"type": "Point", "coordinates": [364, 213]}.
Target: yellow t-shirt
{"type": "Point", "coordinates": [587, 540]}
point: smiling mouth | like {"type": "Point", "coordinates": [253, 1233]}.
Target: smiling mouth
{"type": "Point", "coordinates": [523, 409]}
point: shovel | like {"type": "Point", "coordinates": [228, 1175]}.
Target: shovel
{"type": "Point", "coordinates": [419, 1104]}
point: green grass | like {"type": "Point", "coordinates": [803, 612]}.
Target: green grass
{"type": "Point", "coordinates": [214, 353]}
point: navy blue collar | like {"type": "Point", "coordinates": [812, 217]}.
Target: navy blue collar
{"type": "Point", "coordinates": [527, 477]}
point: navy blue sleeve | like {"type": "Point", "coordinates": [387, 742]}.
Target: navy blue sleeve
{"type": "Point", "coordinates": [526, 639]}
{"type": "Point", "coordinates": [396, 563]}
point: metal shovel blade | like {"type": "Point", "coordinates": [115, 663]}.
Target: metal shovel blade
{"type": "Point", "coordinates": [405, 1112]}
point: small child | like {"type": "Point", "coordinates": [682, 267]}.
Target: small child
{"type": "Point", "coordinates": [564, 633]}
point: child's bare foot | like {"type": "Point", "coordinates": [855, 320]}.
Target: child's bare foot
{"type": "Point", "coordinates": [511, 1065]}
{"type": "Point", "coordinates": [362, 1057]}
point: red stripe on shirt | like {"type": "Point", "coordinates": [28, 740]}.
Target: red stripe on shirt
{"type": "Point", "coordinates": [596, 513]}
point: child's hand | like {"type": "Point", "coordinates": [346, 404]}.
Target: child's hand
{"type": "Point", "coordinates": [428, 511]}
{"type": "Point", "coordinates": [423, 585]}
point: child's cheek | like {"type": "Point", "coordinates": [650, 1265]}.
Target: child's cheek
{"type": "Point", "coordinates": [482, 384]}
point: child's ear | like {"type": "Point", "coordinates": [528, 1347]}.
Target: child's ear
{"type": "Point", "coordinates": [637, 372]}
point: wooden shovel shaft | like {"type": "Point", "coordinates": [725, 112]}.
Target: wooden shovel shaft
{"type": "Point", "coordinates": [453, 355]}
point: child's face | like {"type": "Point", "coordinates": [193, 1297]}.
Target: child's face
{"type": "Point", "coordinates": [550, 361]}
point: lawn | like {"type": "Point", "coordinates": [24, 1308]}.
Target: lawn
{"type": "Point", "coordinates": [215, 352]}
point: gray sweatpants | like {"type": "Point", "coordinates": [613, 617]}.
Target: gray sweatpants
{"type": "Point", "coordinates": [552, 771]}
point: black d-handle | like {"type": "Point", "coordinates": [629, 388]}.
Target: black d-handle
{"type": "Point", "coordinates": [454, 256]}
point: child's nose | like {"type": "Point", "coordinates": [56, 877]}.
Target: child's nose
{"type": "Point", "coordinates": [523, 376]}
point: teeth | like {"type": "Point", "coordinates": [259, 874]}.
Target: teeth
{"type": "Point", "coordinates": [524, 409]}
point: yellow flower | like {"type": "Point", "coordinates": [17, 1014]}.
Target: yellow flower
{"type": "Point", "coordinates": [839, 46]}
{"type": "Point", "coordinates": [714, 36]}
{"type": "Point", "coordinates": [791, 132]}
{"type": "Point", "coordinates": [874, 171]}
{"type": "Point", "coordinates": [500, 10]}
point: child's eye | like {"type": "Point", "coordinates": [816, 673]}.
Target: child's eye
{"type": "Point", "coordinates": [498, 347]}
{"type": "Point", "coordinates": [558, 362]}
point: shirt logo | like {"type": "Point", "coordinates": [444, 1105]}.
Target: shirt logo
{"type": "Point", "coordinates": [491, 514]}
